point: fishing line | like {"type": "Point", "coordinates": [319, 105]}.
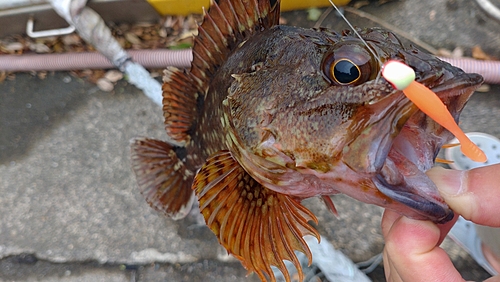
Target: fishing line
{"type": "Point", "coordinates": [402, 77]}
{"type": "Point", "coordinates": [356, 32]}
{"type": "Point", "coordinates": [375, 55]}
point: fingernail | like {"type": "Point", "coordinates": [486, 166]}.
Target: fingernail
{"type": "Point", "coordinates": [449, 181]}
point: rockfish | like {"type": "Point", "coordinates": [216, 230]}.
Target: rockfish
{"type": "Point", "coordinates": [269, 115]}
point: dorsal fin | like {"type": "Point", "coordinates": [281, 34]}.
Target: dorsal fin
{"type": "Point", "coordinates": [224, 27]}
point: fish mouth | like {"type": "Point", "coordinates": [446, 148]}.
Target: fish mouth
{"type": "Point", "coordinates": [402, 176]}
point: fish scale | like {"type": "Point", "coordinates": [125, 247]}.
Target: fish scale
{"type": "Point", "coordinates": [260, 122]}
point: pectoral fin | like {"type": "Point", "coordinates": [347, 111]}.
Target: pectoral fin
{"type": "Point", "coordinates": [163, 179]}
{"type": "Point", "coordinates": [258, 226]}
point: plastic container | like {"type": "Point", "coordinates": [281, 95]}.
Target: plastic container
{"type": "Point", "coordinates": [183, 7]}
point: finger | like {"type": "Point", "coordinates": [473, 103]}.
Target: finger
{"type": "Point", "coordinates": [445, 228]}
{"type": "Point", "coordinates": [411, 248]}
{"type": "Point", "coordinates": [493, 279]}
{"type": "Point", "coordinates": [474, 194]}
{"type": "Point", "coordinates": [389, 217]}
{"type": "Point", "coordinates": [390, 272]}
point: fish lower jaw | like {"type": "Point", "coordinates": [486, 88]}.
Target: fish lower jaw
{"type": "Point", "coordinates": [400, 185]}
{"type": "Point", "coordinates": [408, 198]}
{"type": "Point", "coordinates": [413, 195]}
{"type": "Point", "coordinates": [415, 202]}
{"type": "Point", "coordinates": [402, 177]}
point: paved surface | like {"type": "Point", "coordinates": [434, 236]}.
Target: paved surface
{"type": "Point", "coordinates": [69, 207]}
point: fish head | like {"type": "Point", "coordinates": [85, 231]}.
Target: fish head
{"type": "Point", "coordinates": [308, 114]}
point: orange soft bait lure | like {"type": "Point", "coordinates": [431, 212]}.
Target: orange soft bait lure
{"type": "Point", "coordinates": [402, 77]}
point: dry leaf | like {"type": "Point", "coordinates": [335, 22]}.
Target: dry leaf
{"type": "Point", "coordinates": [39, 48]}
{"type": "Point", "coordinates": [105, 85]}
{"type": "Point", "coordinates": [47, 39]}
{"type": "Point", "coordinates": [381, 2]}
{"type": "Point", "coordinates": [13, 47]}
{"type": "Point", "coordinates": [458, 52]}
{"type": "Point", "coordinates": [172, 31]}
{"type": "Point", "coordinates": [162, 32]}
{"type": "Point", "coordinates": [442, 52]}
{"type": "Point", "coordinates": [478, 53]}
{"type": "Point", "coordinates": [188, 34]}
{"type": "Point", "coordinates": [191, 22]}
{"type": "Point", "coordinates": [71, 39]}
{"type": "Point", "coordinates": [3, 75]}
{"type": "Point", "coordinates": [484, 88]}
{"type": "Point", "coordinates": [360, 4]}
{"type": "Point", "coordinates": [94, 75]}
{"type": "Point", "coordinates": [132, 38]}
{"type": "Point", "coordinates": [42, 74]}
{"type": "Point", "coordinates": [113, 75]}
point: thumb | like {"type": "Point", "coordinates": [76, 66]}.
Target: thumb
{"type": "Point", "coordinates": [474, 194]}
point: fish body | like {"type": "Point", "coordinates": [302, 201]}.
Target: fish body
{"type": "Point", "coordinates": [269, 115]}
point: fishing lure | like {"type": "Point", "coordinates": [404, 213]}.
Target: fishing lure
{"type": "Point", "coordinates": [402, 77]}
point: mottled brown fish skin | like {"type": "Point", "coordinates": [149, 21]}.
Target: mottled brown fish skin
{"type": "Point", "coordinates": [268, 115]}
{"type": "Point", "coordinates": [291, 58]}
{"type": "Point", "coordinates": [326, 137]}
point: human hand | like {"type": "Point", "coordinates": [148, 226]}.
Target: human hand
{"type": "Point", "coordinates": [412, 251]}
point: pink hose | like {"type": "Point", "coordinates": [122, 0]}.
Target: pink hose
{"type": "Point", "coordinates": [160, 58]}
{"type": "Point", "coordinates": [156, 58]}
{"type": "Point", "coordinates": [490, 70]}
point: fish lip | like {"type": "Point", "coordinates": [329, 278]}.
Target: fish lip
{"type": "Point", "coordinates": [415, 190]}
{"type": "Point", "coordinates": [463, 81]}
{"type": "Point", "coordinates": [414, 149]}
{"type": "Point", "coordinates": [423, 207]}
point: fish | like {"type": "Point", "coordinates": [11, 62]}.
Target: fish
{"type": "Point", "coordinates": [269, 115]}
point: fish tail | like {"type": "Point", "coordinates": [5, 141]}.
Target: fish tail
{"type": "Point", "coordinates": [162, 176]}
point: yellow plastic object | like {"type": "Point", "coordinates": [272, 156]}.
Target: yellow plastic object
{"type": "Point", "coordinates": [186, 7]}
{"type": "Point", "coordinates": [288, 5]}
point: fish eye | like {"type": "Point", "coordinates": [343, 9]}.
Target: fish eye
{"type": "Point", "coordinates": [344, 71]}
{"type": "Point", "coordinates": [348, 64]}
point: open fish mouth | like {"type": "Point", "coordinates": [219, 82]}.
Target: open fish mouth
{"type": "Point", "coordinates": [413, 151]}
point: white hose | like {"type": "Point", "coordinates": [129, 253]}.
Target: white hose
{"type": "Point", "coordinates": [489, 8]}
{"type": "Point", "coordinates": [91, 27]}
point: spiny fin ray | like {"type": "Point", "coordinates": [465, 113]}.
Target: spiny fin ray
{"type": "Point", "coordinates": [179, 105]}
{"type": "Point", "coordinates": [163, 179]}
{"type": "Point", "coordinates": [223, 28]}
{"type": "Point", "coordinates": [258, 226]}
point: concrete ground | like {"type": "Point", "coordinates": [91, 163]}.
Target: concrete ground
{"type": "Point", "coordinates": [69, 207]}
